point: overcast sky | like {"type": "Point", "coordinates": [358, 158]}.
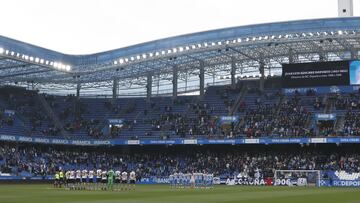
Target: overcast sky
{"type": "Point", "coordinates": [89, 26]}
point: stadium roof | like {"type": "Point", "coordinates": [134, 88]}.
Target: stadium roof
{"type": "Point", "coordinates": [247, 46]}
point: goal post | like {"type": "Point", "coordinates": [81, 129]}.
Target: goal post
{"type": "Point", "coordinates": [297, 177]}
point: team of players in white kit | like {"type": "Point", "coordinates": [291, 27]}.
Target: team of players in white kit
{"type": "Point", "coordinates": [117, 180]}
{"type": "Point", "coordinates": [99, 180]}
{"type": "Point", "coordinates": [191, 180]}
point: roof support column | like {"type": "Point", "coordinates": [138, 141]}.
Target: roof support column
{"type": "Point", "coordinates": [262, 75]}
{"type": "Point", "coordinates": [202, 79]}
{"type": "Point", "coordinates": [78, 87]}
{"type": "Point", "coordinates": [354, 54]}
{"type": "Point", "coordinates": [291, 56]}
{"type": "Point", "coordinates": [115, 88]}
{"type": "Point", "coordinates": [322, 55]}
{"type": "Point", "coordinates": [148, 87]}
{"type": "Point", "coordinates": [175, 82]}
{"type": "Point", "coordinates": [232, 73]}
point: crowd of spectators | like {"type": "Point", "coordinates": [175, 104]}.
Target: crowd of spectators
{"type": "Point", "coordinates": [288, 118]}
{"type": "Point", "coordinates": [259, 121]}
{"type": "Point", "coordinates": [347, 102]}
{"type": "Point", "coordinates": [6, 119]}
{"type": "Point", "coordinates": [291, 117]}
{"type": "Point", "coordinates": [352, 123]}
{"type": "Point", "coordinates": [225, 162]}
{"type": "Point", "coordinates": [26, 106]}
{"type": "Point", "coordinates": [196, 120]}
{"type": "Point", "coordinates": [351, 104]}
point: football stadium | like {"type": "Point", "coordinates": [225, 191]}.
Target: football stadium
{"type": "Point", "coordinates": [255, 113]}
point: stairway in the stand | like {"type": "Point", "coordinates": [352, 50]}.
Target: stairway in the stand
{"type": "Point", "coordinates": [50, 113]}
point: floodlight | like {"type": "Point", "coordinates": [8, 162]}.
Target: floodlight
{"type": "Point", "coordinates": [121, 61]}
{"type": "Point", "coordinates": [1, 50]}
{"type": "Point", "coordinates": [115, 62]}
{"type": "Point", "coordinates": [340, 32]}
{"type": "Point", "coordinates": [68, 68]}
{"type": "Point", "coordinates": [37, 60]}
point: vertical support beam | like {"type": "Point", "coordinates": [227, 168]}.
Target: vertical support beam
{"type": "Point", "coordinates": [32, 86]}
{"type": "Point", "coordinates": [202, 79]}
{"type": "Point", "coordinates": [354, 54]}
{"type": "Point", "coordinates": [232, 73]}
{"type": "Point", "coordinates": [148, 87]}
{"type": "Point", "coordinates": [175, 82]}
{"type": "Point", "coordinates": [78, 87]}
{"type": "Point", "coordinates": [262, 75]}
{"type": "Point", "coordinates": [291, 56]}
{"type": "Point", "coordinates": [115, 88]}
{"type": "Point", "coordinates": [322, 55]}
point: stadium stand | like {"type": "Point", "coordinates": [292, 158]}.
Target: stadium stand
{"type": "Point", "coordinates": [42, 160]}
{"type": "Point", "coordinates": [265, 114]}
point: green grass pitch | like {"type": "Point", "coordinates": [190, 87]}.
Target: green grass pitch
{"type": "Point", "coordinates": [27, 193]}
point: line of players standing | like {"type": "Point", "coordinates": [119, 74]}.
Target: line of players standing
{"type": "Point", "coordinates": [191, 180]}
{"type": "Point", "coordinates": [96, 180]}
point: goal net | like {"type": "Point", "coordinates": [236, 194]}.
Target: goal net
{"type": "Point", "coordinates": [297, 177]}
